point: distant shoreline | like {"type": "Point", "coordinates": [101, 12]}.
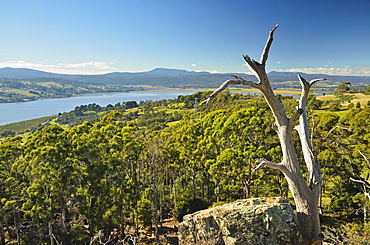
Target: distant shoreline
{"type": "Point", "coordinates": [232, 90]}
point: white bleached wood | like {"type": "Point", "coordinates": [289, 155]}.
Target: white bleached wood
{"type": "Point", "coordinates": [306, 196]}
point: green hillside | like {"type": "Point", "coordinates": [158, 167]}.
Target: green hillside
{"type": "Point", "coordinates": [19, 90]}
{"type": "Point", "coordinates": [128, 167]}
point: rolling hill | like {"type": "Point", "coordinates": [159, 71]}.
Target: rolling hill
{"type": "Point", "coordinates": [176, 78]}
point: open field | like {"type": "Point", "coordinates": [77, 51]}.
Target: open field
{"type": "Point", "coordinates": [21, 127]}
{"type": "Point", "coordinates": [357, 97]}
{"type": "Point", "coordinates": [232, 90]}
{"type": "Point", "coordinates": [339, 113]}
{"type": "Point", "coordinates": [49, 84]}
{"type": "Point", "coordinates": [17, 91]}
{"type": "Point", "coordinates": [256, 91]}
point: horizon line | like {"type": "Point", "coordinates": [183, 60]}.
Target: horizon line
{"type": "Point", "coordinates": [97, 73]}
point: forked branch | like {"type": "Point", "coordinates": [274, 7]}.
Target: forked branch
{"type": "Point", "coordinates": [258, 68]}
{"type": "Point", "coordinates": [305, 196]}
{"type": "Point", "coordinates": [306, 84]}
{"type": "Point", "coordinates": [307, 149]}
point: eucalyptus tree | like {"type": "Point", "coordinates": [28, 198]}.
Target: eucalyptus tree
{"type": "Point", "coordinates": [123, 159]}
{"type": "Point", "coordinates": [187, 135]}
{"type": "Point", "coordinates": [108, 153]}
{"type": "Point", "coordinates": [355, 122]}
{"type": "Point", "coordinates": [11, 185]}
{"type": "Point", "coordinates": [49, 171]}
{"type": "Point", "coordinates": [157, 178]}
{"type": "Point", "coordinates": [306, 193]}
{"type": "Point", "coordinates": [229, 139]}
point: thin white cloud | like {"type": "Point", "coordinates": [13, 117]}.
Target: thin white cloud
{"type": "Point", "coordinates": [336, 71]}
{"type": "Point", "coordinates": [211, 71]}
{"type": "Point", "coordinates": [97, 64]}
{"type": "Point", "coordinates": [88, 68]}
{"type": "Point", "coordinates": [100, 67]}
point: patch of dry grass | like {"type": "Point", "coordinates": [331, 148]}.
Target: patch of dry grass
{"type": "Point", "coordinates": [256, 91]}
{"type": "Point", "coordinates": [358, 97]}
{"type": "Point", "coordinates": [362, 98]}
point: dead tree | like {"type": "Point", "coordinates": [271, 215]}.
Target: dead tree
{"type": "Point", "coordinates": [365, 186]}
{"type": "Point", "coordinates": [306, 193]}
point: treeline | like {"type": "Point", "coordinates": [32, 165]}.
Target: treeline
{"type": "Point", "coordinates": [167, 159]}
{"type": "Point", "coordinates": [19, 90]}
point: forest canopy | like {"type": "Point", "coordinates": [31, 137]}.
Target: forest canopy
{"type": "Point", "coordinates": [135, 165]}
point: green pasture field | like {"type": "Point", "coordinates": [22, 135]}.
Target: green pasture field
{"type": "Point", "coordinates": [49, 84]}
{"type": "Point", "coordinates": [18, 91]}
{"type": "Point", "coordinates": [23, 126]}
{"type": "Point", "coordinates": [322, 112]}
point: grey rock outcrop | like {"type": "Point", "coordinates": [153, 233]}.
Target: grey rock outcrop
{"type": "Point", "coordinates": [251, 221]}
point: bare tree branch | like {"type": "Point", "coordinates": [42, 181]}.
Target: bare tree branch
{"type": "Point", "coordinates": [252, 65]}
{"type": "Point", "coordinates": [296, 116]}
{"type": "Point", "coordinates": [266, 50]}
{"type": "Point", "coordinates": [360, 181]}
{"type": "Point", "coordinates": [331, 130]}
{"type": "Point", "coordinates": [316, 80]}
{"type": "Point", "coordinates": [246, 82]}
{"type": "Point", "coordinates": [305, 196]}
{"type": "Point", "coordinates": [366, 159]}
{"type": "Point", "coordinates": [302, 80]}
{"type": "Point", "coordinates": [226, 84]}
{"type": "Point", "coordinates": [258, 68]}
{"type": "Point", "coordinates": [311, 161]}
{"type": "Point", "coordinates": [53, 237]}
{"type": "Point", "coordinates": [306, 84]}
{"type": "Point", "coordinates": [263, 85]}
{"type": "Point", "coordinates": [264, 162]}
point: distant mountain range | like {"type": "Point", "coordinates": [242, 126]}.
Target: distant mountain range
{"type": "Point", "coordinates": [181, 78]}
{"type": "Point", "coordinates": [21, 73]}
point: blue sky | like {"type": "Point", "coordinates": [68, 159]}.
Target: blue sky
{"type": "Point", "coordinates": [95, 37]}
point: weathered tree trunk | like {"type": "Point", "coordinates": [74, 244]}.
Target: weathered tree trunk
{"type": "Point", "coordinates": [156, 216]}
{"type": "Point", "coordinates": [2, 233]}
{"type": "Point", "coordinates": [122, 226]}
{"type": "Point", "coordinates": [306, 196]}
{"type": "Point", "coordinates": [17, 231]}
{"type": "Point", "coordinates": [50, 226]}
{"type": "Point", "coordinates": [365, 184]}
{"type": "Point", "coordinates": [64, 218]}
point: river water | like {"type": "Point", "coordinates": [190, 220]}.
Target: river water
{"type": "Point", "coordinates": [16, 112]}
{"type": "Point", "coordinates": [21, 111]}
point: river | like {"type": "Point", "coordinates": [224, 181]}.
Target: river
{"type": "Point", "coordinates": [16, 112]}
{"type": "Point", "coordinates": [21, 111]}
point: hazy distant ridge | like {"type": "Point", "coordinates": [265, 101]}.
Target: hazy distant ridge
{"type": "Point", "coordinates": [174, 77]}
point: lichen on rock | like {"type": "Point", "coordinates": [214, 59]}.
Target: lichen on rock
{"type": "Point", "coordinates": [248, 221]}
